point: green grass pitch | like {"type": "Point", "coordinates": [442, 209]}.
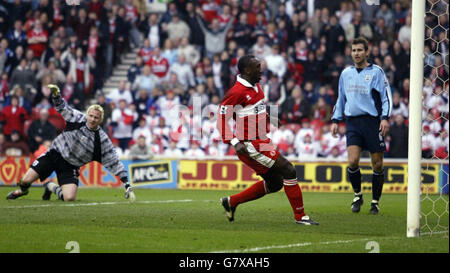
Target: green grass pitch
{"type": "Point", "coordinates": [190, 221]}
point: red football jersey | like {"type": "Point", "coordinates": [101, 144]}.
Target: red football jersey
{"type": "Point", "coordinates": [159, 66]}
{"type": "Point", "coordinates": [245, 104]}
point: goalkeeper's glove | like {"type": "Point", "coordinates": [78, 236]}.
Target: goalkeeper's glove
{"type": "Point", "coordinates": [54, 89]}
{"type": "Point", "coordinates": [129, 193]}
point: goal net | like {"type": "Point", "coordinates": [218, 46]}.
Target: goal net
{"type": "Point", "coordinates": [435, 113]}
{"type": "Point", "coordinates": [428, 212]}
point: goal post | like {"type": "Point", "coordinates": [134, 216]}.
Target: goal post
{"type": "Point", "coordinates": [415, 117]}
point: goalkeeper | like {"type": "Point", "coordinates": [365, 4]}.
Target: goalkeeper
{"type": "Point", "coordinates": [82, 141]}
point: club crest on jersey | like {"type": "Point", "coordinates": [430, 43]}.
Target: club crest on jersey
{"type": "Point", "coordinates": [248, 97]}
{"type": "Point", "coordinates": [367, 78]}
{"type": "Point", "coordinates": [223, 109]}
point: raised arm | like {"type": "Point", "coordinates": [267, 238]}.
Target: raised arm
{"type": "Point", "coordinates": [69, 114]}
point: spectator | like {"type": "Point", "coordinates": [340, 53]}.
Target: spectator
{"type": "Point", "coordinates": [197, 38]}
{"type": "Point", "coordinates": [142, 102]}
{"type": "Point", "coordinates": [40, 130]}
{"type": "Point", "coordinates": [24, 77]}
{"type": "Point", "coordinates": [135, 69]}
{"type": "Point", "coordinates": [153, 118]}
{"type": "Point", "coordinates": [174, 85]}
{"type": "Point", "coordinates": [142, 130]}
{"type": "Point", "coordinates": [159, 65]}
{"type": "Point", "coordinates": [382, 32]}
{"type": "Point", "coordinates": [189, 51]}
{"type": "Point", "coordinates": [283, 138]}
{"type": "Point", "coordinates": [276, 63]}
{"type": "Point", "coordinates": [214, 36]}
{"type": "Point", "coordinates": [428, 142]}
{"type": "Point", "coordinates": [295, 108]}
{"type": "Point", "coordinates": [177, 28]}
{"type": "Point", "coordinates": [358, 28]}
{"type": "Point", "coordinates": [80, 69]}
{"type": "Point", "coordinates": [441, 151]}
{"type": "Point", "coordinates": [37, 39]}
{"type": "Point", "coordinates": [146, 51]}
{"type": "Point", "coordinates": [113, 31]}
{"type": "Point", "coordinates": [398, 138]}
{"type": "Point", "coordinates": [224, 15]}
{"type": "Point", "coordinates": [274, 91]}
{"type": "Point", "coordinates": [23, 101]}
{"type": "Point", "coordinates": [161, 135]}
{"type": "Point", "coordinates": [312, 42]}
{"type": "Point", "coordinates": [121, 93]}
{"type": "Point", "coordinates": [169, 106]}
{"type": "Point", "coordinates": [6, 56]}
{"type": "Point", "coordinates": [321, 110]}
{"type": "Point", "coordinates": [335, 36]}
{"type": "Point", "coordinates": [307, 148]}
{"type": "Point", "coordinates": [387, 15]}
{"type": "Point", "coordinates": [169, 52]}
{"type": "Point", "coordinates": [58, 76]}
{"type": "Point", "coordinates": [173, 151]}
{"type": "Point", "coordinates": [13, 117]}
{"type": "Point", "coordinates": [140, 150]}
{"type": "Point", "coordinates": [16, 146]}
{"type": "Point", "coordinates": [81, 26]}
{"type": "Point", "coordinates": [183, 71]}
{"type": "Point", "coordinates": [215, 150]}
{"type": "Point", "coordinates": [122, 120]}
{"type": "Point", "coordinates": [17, 37]}
{"type": "Point", "coordinates": [194, 151]}
{"type": "Point", "coordinates": [241, 31]}
{"type": "Point", "coordinates": [107, 110]}
{"type": "Point", "coordinates": [147, 80]}
{"type": "Point", "coordinates": [404, 33]}
{"type": "Point", "coordinates": [398, 106]}
{"type": "Point", "coordinates": [209, 10]}
{"type": "Point", "coordinates": [261, 50]}
{"type": "Point", "coordinates": [153, 31]}
{"type": "Point", "coordinates": [312, 68]}
{"type": "Point", "coordinates": [131, 16]}
{"type": "Point", "coordinates": [260, 26]}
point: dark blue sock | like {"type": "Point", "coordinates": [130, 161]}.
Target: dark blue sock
{"type": "Point", "coordinates": [354, 175]}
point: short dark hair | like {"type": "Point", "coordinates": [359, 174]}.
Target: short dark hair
{"type": "Point", "coordinates": [244, 62]}
{"type": "Point", "coordinates": [361, 40]}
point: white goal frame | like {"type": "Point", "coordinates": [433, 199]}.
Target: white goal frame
{"type": "Point", "coordinates": [415, 118]}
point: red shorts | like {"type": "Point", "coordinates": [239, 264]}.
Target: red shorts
{"type": "Point", "coordinates": [261, 156]}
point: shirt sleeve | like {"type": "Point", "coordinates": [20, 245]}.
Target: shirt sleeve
{"type": "Point", "coordinates": [338, 110]}
{"type": "Point", "coordinates": [383, 87]}
{"type": "Point", "coordinates": [111, 160]}
{"type": "Point", "coordinates": [69, 114]}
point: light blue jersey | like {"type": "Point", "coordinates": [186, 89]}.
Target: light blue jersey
{"type": "Point", "coordinates": [363, 92]}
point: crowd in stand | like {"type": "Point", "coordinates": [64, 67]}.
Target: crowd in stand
{"type": "Point", "coordinates": [187, 56]}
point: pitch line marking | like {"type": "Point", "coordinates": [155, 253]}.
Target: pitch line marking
{"type": "Point", "coordinates": [255, 249]}
{"type": "Point", "coordinates": [103, 203]}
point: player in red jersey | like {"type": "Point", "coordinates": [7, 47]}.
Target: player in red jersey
{"type": "Point", "coordinates": [244, 102]}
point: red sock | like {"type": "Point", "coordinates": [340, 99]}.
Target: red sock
{"type": "Point", "coordinates": [294, 194]}
{"type": "Point", "coordinates": [253, 192]}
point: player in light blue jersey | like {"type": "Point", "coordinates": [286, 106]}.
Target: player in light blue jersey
{"type": "Point", "coordinates": [365, 103]}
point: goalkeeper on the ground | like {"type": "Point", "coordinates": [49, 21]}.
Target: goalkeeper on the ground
{"type": "Point", "coordinates": [82, 141]}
